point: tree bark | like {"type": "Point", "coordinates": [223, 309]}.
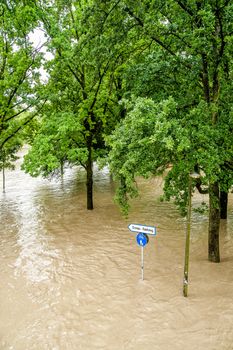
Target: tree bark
{"type": "Point", "coordinates": [214, 223]}
{"type": "Point", "coordinates": [89, 170]}
{"type": "Point", "coordinates": [62, 167]}
{"type": "Point", "coordinates": [223, 204]}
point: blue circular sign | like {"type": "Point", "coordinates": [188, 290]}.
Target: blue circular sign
{"type": "Point", "coordinates": [142, 239]}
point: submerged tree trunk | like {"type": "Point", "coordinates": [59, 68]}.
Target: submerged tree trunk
{"type": "Point", "coordinates": [89, 183]}
{"type": "Point", "coordinates": [223, 204]}
{"type": "Point", "coordinates": [214, 223]}
{"type": "Point", "coordinates": [62, 168]}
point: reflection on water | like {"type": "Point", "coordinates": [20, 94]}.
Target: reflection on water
{"type": "Point", "coordinates": [70, 278]}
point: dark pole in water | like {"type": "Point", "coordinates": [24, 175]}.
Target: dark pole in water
{"type": "Point", "coordinates": [188, 232]}
{"type": "Point", "coordinates": [3, 180]}
{"type": "Point", "coordinates": [187, 242]}
{"type": "Point", "coordinates": [3, 172]}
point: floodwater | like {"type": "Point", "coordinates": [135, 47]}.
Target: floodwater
{"type": "Point", "coordinates": [71, 278]}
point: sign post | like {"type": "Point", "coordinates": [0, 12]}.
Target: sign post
{"type": "Point", "coordinates": [142, 262]}
{"type": "Point", "coordinates": [142, 239]}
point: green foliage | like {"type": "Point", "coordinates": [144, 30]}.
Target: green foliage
{"type": "Point", "coordinates": [188, 67]}
{"type": "Point", "coordinates": [154, 136]}
{"type": "Point", "coordinates": [202, 209]}
{"type": "Point", "coordinates": [157, 75]}
{"type": "Point", "coordinates": [83, 90]}
{"type": "Point", "coordinates": [59, 141]}
{"type": "Point", "coordinates": [19, 77]}
{"type": "Point", "coordinates": [8, 154]}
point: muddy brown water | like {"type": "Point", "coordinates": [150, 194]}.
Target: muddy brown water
{"type": "Point", "coordinates": [71, 279]}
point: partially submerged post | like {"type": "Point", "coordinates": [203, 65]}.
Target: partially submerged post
{"type": "Point", "coordinates": [142, 240]}
{"type": "Point", "coordinates": [3, 180]}
{"type": "Point", "coordinates": [188, 232]}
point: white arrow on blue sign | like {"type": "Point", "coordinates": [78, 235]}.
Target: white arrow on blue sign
{"type": "Point", "coordinates": [142, 239]}
{"type": "Point", "coordinates": [150, 230]}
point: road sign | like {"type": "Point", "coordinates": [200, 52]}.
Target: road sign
{"type": "Point", "coordinates": [142, 239]}
{"type": "Point", "coordinates": [150, 230]}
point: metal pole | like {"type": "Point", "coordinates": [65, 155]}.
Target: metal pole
{"type": "Point", "coordinates": [187, 243]}
{"type": "Point", "coordinates": [142, 262]}
{"type": "Point", "coordinates": [3, 179]}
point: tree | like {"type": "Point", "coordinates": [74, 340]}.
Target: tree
{"type": "Point", "coordinates": [194, 39]}
{"type": "Point", "coordinates": [19, 76]}
{"type": "Point", "coordinates": [84, 88]}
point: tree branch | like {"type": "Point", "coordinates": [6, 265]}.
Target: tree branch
{"type": "Point", "coordinates": [110, 11]}
{"type": "Point", "coordinates": [4, 60]}
{"type": "Point", "coordinates": [156, 39]}
{"type": "Point", "coordinates": [99, 84]}
{"type": "Point", "coordinates": [132, 14]}
{"type": "Point", "coordinates": [199, 188]}
{"type": "Point", "coordinates": [15, 89]}
{"type": "Point", "coordinates": [205, 78]}
{"type": "Point", "coordinates": [185, 8]}
{"type": "Point", "coordinates": [20, 112]}
{"type": "Point", "coordinates": [21, 126]}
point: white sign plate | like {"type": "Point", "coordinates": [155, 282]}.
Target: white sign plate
{"type": "Point", "coordinates": [150, 230]}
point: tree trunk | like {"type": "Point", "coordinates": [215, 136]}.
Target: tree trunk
{"type": "Point", "coordinates": [62, 168]}
{"type": "Point", "coordinates": [223, 204]}
{"type": "Point", "coordinates": [89, 182]}
{"type": "Point", "coordinates": [214, 223]}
